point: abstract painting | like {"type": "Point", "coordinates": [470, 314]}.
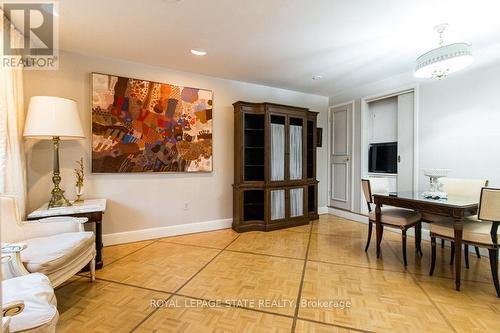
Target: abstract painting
{"type": "Point", "coordinates": [144, 126]}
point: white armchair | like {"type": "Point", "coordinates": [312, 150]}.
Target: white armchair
{"type": "Point", "coordinates": [29, 304]}
{"type": "Point", "coordinates": [57, 247]}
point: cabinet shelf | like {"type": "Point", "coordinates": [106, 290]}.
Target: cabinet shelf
{"type": "Point", "coordinates": [253, 143]}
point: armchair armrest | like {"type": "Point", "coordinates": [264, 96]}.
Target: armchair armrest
{"type": "Point", "coordinates": [12, 308]}
{"type": "Point", "coordinates": [13, 248]}
{"type": "Point", "coordinates": [6, 324]}
{"type": "Point", "coordinates": [12, 264]}
{"type": "Point", "coordinates": [52, 226]}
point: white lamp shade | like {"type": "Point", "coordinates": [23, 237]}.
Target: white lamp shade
{"type": "Point", "coordinates": [444, 60]}
{"type": "Point", "coordinates": [50, 116]}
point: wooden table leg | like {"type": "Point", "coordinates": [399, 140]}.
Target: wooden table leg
{"type": "Point", "coordinates": [458, 227]}
{"type": "Point", "coordinates": [378, 227]}
{"type": "Point", "coordinates": [98, 243]}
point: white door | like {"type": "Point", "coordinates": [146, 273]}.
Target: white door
{"type": "Point", "coordinates": [340, 159]}
{"type": "Point", "coordinates": [406, 137]}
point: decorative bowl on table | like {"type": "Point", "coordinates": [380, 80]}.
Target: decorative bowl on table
{"type": "Point", "coordinates": [435, 187]}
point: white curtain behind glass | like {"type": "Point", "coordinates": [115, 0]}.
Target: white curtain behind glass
{"type": "Point", "coordinates": [277, 204]}
{"type": "Point", "coordinates": [295, 152]}
{"type": "Point", "coordinates": [296, 202]}
{"type": "Point", "coordinates": [12, 165]}
{"type": "Point", "coordinates": [277, 152]}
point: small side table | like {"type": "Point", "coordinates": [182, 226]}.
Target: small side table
{"type": "Point", "coordinates": [92, 209]}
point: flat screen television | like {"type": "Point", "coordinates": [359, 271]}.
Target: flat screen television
{"type": "Point", "coordinates": [383, 157]}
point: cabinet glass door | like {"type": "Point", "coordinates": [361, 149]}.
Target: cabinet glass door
{"type": "Point", "coordinates": [277, 147]}
{"type": "Point", "coordinates": [296, 143]}
{"type": "Point", "coordinates": [277, 204]}
{"type": "Point", "coordinates": [296, 202]}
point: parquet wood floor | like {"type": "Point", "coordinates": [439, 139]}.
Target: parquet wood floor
{"type": "Point", "coordinates": [115, 252]}
{"type": "Point", "coordinates": [324, 261]}
{"type": "Point", "coordinates": [351, 251]}
{"type": "Point", "coordinates": [102, 306]}
{"type": "Point", "coordinates": [215, 239]}
{"type": "Point", "coordinates": [276, 243]}
{"type": "Point", "coordinates": [241, 276]}
{"type": "Point", "coordinates": [161, 266]}
{"type": "Point", "coordinates": [217, 319]}
{"type": "Point", "coordinates": [381, 300]}
{"type": "Point", "coordinates": [312, 327]}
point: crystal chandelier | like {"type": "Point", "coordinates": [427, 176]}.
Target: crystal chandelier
{"type": "Point", "coordinates": [443, 60]}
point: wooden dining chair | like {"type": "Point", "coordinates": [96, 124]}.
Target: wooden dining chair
{"type": "Point", "coordinates": [480, 231]}
{"type": "Point", "coordinates": [400, 218]}
{"type": "Point", "coordinates": [458, 187]}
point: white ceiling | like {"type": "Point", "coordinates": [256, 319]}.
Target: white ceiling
{"type": "Point", "coordinates": [281, 43]}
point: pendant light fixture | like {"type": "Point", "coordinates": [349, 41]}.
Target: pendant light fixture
{"type": "Point", "coordinates": [443, 60]}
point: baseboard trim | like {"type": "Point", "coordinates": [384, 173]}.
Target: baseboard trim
{"type": "Point", "coordinates": [348, 215]}
{"type": "Point", "coordinates": [174, 230]}
{"type": "Point", "coordinates": [322, 210]}
{"type": "Point", "coordinates": [364, 219]}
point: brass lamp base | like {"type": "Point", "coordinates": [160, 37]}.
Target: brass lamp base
{"type": "Point", "coordinates": [57, 199]}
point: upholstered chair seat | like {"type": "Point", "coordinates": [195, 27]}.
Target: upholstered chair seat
{"type": "Point", "coordinates": [40, 307]}
{"type": "Point", "coordinates": [474, 231]}
{"type": "Point", "coordinates": [397, 217]}
{"type": "Point", "coordinates": [49, 254]}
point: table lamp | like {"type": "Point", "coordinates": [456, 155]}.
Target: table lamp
{"type": "Point", "coordinates": [53, 118]}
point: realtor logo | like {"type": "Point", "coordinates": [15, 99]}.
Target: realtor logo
{"type": "Point", "coordinates": [31, 38]}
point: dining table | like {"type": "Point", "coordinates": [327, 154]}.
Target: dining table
{"type": "Point", "coordinates": [455, 207]}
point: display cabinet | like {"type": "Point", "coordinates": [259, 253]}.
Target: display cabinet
{"type": "Point", "coordinates": [275, 182]}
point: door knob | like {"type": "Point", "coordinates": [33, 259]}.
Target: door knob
{"type": "Point", "coordinates": [347, 159]}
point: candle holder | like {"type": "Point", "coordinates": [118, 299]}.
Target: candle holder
{"type": "Point", "coordinates": [435, 187]}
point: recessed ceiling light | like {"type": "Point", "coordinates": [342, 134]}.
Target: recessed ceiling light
{"type": "Point", "coordinates": [198, 52]}
{"type": "Point", "coordinates": [317, 77]}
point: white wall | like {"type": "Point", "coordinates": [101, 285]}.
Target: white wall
{"type": "Point", "coordinates": [141, 201]}
{"type": "Point", "coordinates": [458, 123]}
{"type": "Point", "coordinates": [460, 126]}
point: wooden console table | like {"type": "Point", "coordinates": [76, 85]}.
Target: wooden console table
{"type": "Point", "coordinates": [92, 209]}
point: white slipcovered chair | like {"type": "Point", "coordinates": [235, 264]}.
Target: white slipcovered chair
{"type": "Point", "coordinates": [29, 304]}
{"type": "Point", "coordinates": [57, 247]}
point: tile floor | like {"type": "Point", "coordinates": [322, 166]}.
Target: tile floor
{"type": "Point", "coordinates": [294, 280]}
